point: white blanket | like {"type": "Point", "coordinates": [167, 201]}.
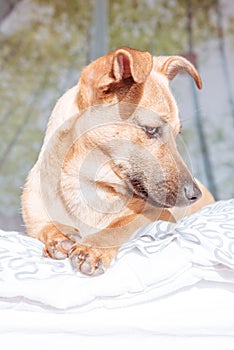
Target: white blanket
{"type": "Point", "coordinates": [161, 259]}
{"type": "Point", "coordinates": [171, 286]}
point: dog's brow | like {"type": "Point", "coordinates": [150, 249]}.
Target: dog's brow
{"type": "Point", "coordinates": [148, 119]}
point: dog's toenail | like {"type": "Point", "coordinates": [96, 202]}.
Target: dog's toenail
{"type": "Point", "coordinates": [99, 270]}
{"type": "Point", "coordinates": [59, 255]}
{"type": "Point", "coordinates": [74, 261]}
{"type": "Point", "coordinates": [98, 263]}
{"type": "Point", "coordinates": [67, 245]}
{"type": "Point", "coordinates": [86, 268]}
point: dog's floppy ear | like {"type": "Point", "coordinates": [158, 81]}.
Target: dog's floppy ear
{"type": "Point", "coordinates": [131, 63]}
{"type": "Point", "coordinates": [172, 65]}
{"type": "Point", "coordinates": [100, 79]}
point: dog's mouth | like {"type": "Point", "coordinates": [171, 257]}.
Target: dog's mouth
{"type": "Point", "coordinates": [136, 185]}
{"type": "Point", "coordinates": [139, 190]}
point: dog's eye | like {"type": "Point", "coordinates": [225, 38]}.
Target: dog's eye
{"type": "Point", "coordinates": [153, 132]}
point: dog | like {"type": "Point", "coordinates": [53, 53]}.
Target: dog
{"type": "Point", "coordinates": [109, 163]}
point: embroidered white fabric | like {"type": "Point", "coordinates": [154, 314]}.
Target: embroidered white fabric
{"type": "Point", "coordinates": [161, 259]}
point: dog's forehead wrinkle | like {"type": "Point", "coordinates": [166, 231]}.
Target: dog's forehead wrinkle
{"type": "Point", "coordinates": [159, 92]}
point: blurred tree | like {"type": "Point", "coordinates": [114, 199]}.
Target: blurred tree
{"type": "Point", "coordinates": [159, 26]}
{"type": "Point", "coordinates": [6, 7]}
{"type": "Point", "coordinates": [43, 47]}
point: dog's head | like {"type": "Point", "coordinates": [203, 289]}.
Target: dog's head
{"type": "Point", "coordinates": [147, 158]}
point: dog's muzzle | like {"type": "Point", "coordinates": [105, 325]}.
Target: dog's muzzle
{"type": "Point", "coordinates": [188, 194]}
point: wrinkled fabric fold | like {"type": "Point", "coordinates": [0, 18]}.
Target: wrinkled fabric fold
{"type": "Point", "coordinates": [160, 259]}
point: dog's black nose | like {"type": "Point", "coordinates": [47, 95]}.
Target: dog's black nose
{"type": "Point", "coordinates": [192, 192]}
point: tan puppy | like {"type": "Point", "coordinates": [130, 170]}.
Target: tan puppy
{"type": "Point", "coordinates": [109, 162]}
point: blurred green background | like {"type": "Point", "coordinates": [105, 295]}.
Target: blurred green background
{"type": "Point", "coordinates": [45, 43]}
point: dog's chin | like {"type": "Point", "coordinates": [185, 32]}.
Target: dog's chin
{"type": "Point", "coordinates": [152, 201]}
{"type": "Point", "coordinates": [158, 203]}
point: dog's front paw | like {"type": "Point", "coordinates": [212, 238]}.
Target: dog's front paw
{"type": "Point", "coordinates": [91, 261]}
{"type": "Point", "coordinates": [58, 247]}
{"type": "Point", "coordinates": [58, 239]}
